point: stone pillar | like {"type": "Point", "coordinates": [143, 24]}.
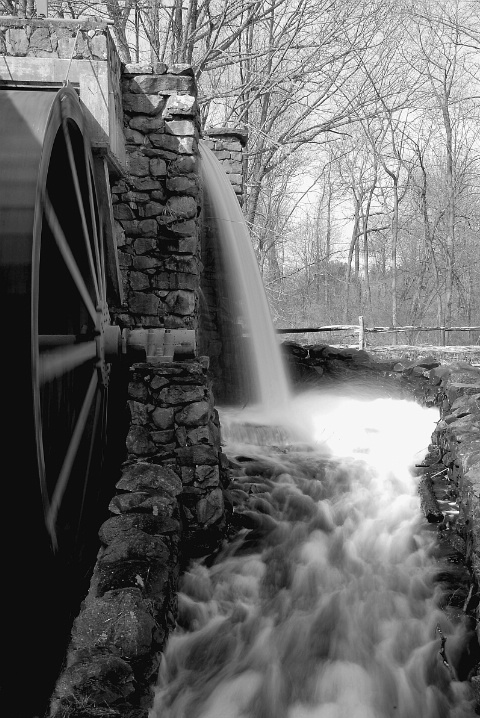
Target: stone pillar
{"type": "Point", "coordinates": [157, 204]}
{"type": "Point", "coordinates": [229, 144]}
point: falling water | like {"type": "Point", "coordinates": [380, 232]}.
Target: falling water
{"type": "Point", "coordinates": [324, 603]}
{"type": "Point", "coordinates": [267, 372]}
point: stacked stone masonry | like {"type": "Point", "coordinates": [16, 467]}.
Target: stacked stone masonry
{"type": "Point", "coordinates": [455, 389]}
{"type": "Point", "coordinates": [156, 206]}
{"type": "Point", "coordinates": [171, 488]}
{"type": "Point", "coordinates": [53, 39]}
{"type": "Point", "coordinates": [228, 145]}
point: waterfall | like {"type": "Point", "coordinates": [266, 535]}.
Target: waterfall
{"type": "Point", "coordinates": [267, 373]}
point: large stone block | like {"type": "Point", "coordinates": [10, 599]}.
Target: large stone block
{"type": "Point", "coordinates": [16, 41]}
{"type": "Point", "coordinates": [123, 211]}
{"type": "Point", "coordinates": [183, 229]}
{"type": "Point", "coordinates": [211, 508]}
{"type": "Point", "coordinates": [173, 280]}
{"type": "Point", "coordinates": [138, 165]}
{"type": "Point", "coordinates": [146, 84]}
{"type": "Point", "coordinates": [182, 245]}
{"type": "Point", "coordinates": [181, 127]}
{"type": "Point", "coordinates": [142, 501]}
{"type": "Point", "coordinates": [143, 476]}
{"type": "Point", "coordinates": [41, 39]}
{"type": "Point", "coordinates": [207, 475]}
{"type": "Point", "coordinates": [148, 227]}
{"type": "Point", "coordinates": [196, 455]}
{"type": "Point", "coordinates": [171, 143]}
{"type": "Point", "coordinates": [142, 245]}
{"type": "Point", "coordinates": [137, 546]}
{"type": "Point", "coordinates": [120, 619]}
{"type": "Point", "coordinates": [181, 68]}
{"type": "Point", "coordinates": [232, 168]}
{"type": "Point", "coordinates": [139, 442]}
{"type": "Point", "coordinates": [182, 207]}
{"type": "Point", "coordinates": [176, 395]}
{"type": "Point", "coordinates": [153, 209]}
{"type": "Point", "coordinates": [98, 46]}
{"type": "Point", "coordinates": [137, 68]}
{"type": "Point", "coordinates": [181, 301]}
{"type": "Point", "coordinates": [144, 303]}
{"type": "Point", "coordinates": [104, 679]}
{"type": "Point", "coordinates": [181, 105]}
{"type": "Point", "coordinates": [116, 527]}
{"type": "Point", "coordinates": [181, 264]}
{"type": "Point", "coordinates": [163, 418]}
{"type": "Point", "coordinates": [133, 137]}
{"type": "Point", "coordinates": [143, 104]}
{"type": "Point", "coordinates": [187, 185]}
{"type": "Point", "coordinates": [158, 167]}
{"type": "Point", "coordinates": [195, 414]}
{"type": "Point", "coordinates": [138, 281]}
{"type": "Point", "coordinates": [147, 124]}
{"type": "Point", "coordinates": [144, 263]}
{"type": "Point", "coordinates": [139, 412]}
{"type": "Point", "coordinates": [185, 165]}
{"type": "Point", "coordinates": [175, 84]}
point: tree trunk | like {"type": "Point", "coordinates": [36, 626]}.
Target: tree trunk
{"type": "Point", "coordinates": [353, 244]}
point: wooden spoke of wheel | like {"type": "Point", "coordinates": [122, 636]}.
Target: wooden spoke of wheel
{"type": "Point", "coordinates": [54, 364]}
{"type": "Point", "coordinates": [96, 230]}
{"type": "Point", "coordinates": [46, 341]}
{"type": "Point", "coordinates": [98, 411]}
{"type": "Point", "coordinates": [71, 160]}
{"type": "Point", "coordinates": [68, 257]}
{"type": "Point", "coordinates": [53, 507]}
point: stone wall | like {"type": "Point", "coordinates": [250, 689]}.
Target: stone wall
{"type": "Point", "coordinates": [156, 205]}
{"type": "Point", "coordinates": [169, 502]}
{"type": "Point", "coordinates": [55, 38]}
{"type": "Point", "coordinates": [229, 144]}
{"type": "Point", "coordinates": [455, 449]}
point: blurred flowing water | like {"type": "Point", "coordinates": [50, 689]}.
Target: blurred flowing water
{"type": "Point", "coordinates": [323, 603]}
{"type": "Point", "coordinates": [266, 374]}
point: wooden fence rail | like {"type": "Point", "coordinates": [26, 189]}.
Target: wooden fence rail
{"type": "Point", "coordinates": [363, 330]}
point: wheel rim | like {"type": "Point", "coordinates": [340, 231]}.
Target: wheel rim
{"type": "Point", "coordinates": [53, 289]}
{"type": "Point", "coordinates": [69, 317]}
{"type": "Point", "coordinates": [55, 368]}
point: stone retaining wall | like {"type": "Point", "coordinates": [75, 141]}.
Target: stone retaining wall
{"type": "Point", "coordinates": [455, 388]}
{"type": "Point", "coordinates": [169, 502]}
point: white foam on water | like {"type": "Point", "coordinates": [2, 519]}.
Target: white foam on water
{"type": "Point", "coordinates": [333, 612]}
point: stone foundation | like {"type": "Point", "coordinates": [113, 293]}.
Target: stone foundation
{"type": "Point", "coordinates": [168, 508]}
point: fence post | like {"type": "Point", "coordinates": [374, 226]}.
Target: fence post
{"type": "Point", "coordinates": [442, 336]}
{"type": "Point", "coordinates": [361, 333]}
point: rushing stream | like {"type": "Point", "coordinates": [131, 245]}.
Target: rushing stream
{"type": "Point", "coordinates": [323, 604]}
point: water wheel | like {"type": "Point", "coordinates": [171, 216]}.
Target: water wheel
{"type": "Point", "coordinates": [58, 347]}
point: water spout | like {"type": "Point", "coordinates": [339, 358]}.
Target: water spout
{"type": "Point", "coordinates": [266, 369]}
